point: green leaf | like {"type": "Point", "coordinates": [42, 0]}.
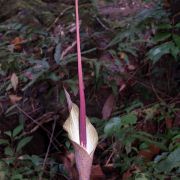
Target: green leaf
{"type": "Point", "coordinates": [129, 119]}
{"type": "Point", "coordinates": [176, 137]}
{"type": "Point", "coordinates": [113, 125]}
{"type": "Point", "coordinates": [174, 52]}
{"type": "Point", "coordinates": [141, 176]}
{"type": "Point", "coordinates": [165, 26]}
{"type": "Point", "coordinates": [172, 161]}
{"type": "Point", "coordinates": [17, 130]}
{"type": "Point", "coordinates": [17, 177]}
{"type": "Point", "coordinates": [162, 36]}
{"type": "Point", "coordinates": [97, 70]}
{"type": "Point", "coordinates": [158, 51]}
{"type": "Point", "coordinates": [8, 151]}
{"type": "Point", "coordinates": [23, 142]}
{"type": "Point", "coordinates": [36, 160]}
{"type": "Point", "coordinates": [177, 25]}
{"type": "Point", "coordinates": [8, 133]}
{"type": "Point", "coordinates": [57, 54]}
{"type": "Point", "coordinates": [176, 39]}
{"type": "Point", "coordinates": [3, 141]}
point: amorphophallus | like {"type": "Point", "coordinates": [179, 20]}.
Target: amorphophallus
{"type": "Point", "coordinates": [80, 131]}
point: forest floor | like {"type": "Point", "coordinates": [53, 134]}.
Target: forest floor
{"type": "Point", "coordinates": [130, 51]}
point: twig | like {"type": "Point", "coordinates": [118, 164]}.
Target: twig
{"type": "Point", "coordinates": [66, 51]}
{"type": "Point", "coordinates": [38, 124]}
{"type": "Point", "coordinates": [110, 157]}
{"type": "Point", "coordinates": [27, 115]}
{"type": "Point", "coordinates": [103, 25]}
{"type": "Point", "coordinates": [57, 18]}
{"type": "Point", "coordinates": [48, 149]}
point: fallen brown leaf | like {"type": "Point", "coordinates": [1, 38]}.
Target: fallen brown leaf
{"type": "Point", "coordinates": [17, 43]}
{"type": "Point", "coordinates": [97, 173]}
{"type": "Point", "coordinates": [14, 81]}
{"type": "Point", "coordinates": [127, 175]}
{"type": "Point", "coordinates": [14, 98]}
{"type": "Point", "coordinates": [108, 107]}
{"type": "Point", "coordinates": [169, 123]}
{"type": "Point", "coordinates": [149, 153]}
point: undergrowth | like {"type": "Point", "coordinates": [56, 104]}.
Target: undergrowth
{"type": "Point", "coordinates": [131, 67]}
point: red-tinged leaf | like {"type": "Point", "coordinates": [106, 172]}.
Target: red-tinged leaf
{"type": "Point", "coordinates": [154, 149]}
{"type": "Point", "coordinates": [108, 107]}
{"type": "Point", "coordinates": [146, 154]}
{"type": "Point", "coordinates": [169, 123]}
{"type": "Point", "coordinates": [176, 122]}
{"type": "Point", "coordinates": [149, 153]}
{"type": "Point", "coordinates": [97, 173]}
{"type": "Point", "coordinates": [127, 175]}
{"type": "Point", "coordinates": [17, 43]}
{"type": "Point", "coordinates": [29, 75]}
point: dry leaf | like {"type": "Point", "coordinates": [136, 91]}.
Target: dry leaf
{"type": "Point", "coordinates": [169, 123]}
{"type": "Point", "coordinates": [108, 107]}
{"type": "Point", "coordinates": [83, 156]}
{"type": "Point", "coordinates": [146, 154]}
{"type": "Point", "coordinates": [127, 175]}
{"type": "Point", "coordinates": [97, 173]}
{"type": "Point", "coordinates": [14, 81]}
{"type": "Point", "coordinates": [17, 43]}
{"type": "Point", "coordinates": [14, 99]}
{"type": "Point", "coordinates": [149, 153]}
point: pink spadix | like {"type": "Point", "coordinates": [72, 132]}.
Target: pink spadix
{"type": "Point", "coordinates": [82, 116]}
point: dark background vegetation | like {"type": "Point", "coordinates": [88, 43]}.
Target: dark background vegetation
{"type": "Point", "coordinates": [130, 51]}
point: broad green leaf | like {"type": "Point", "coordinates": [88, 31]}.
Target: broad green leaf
{"type": "Point", "coordinates": [35, 160]}
{"type": "Point", "coordinates": [2, 175]}
{"type": "Point", "coordinates": [175, 52]}
{"type": "Point", "coordinates": [177, 25]}
{"type": "Point", "coordinates": [176, 39]}
{"type": "Point", "coordinates": [141, 176]}
{"type": "Point", "coordinates": [8, 151]}
{"type": "Point", "coordinates": [17, 130]}
{"type": "Point", "coordinates": [160, 157]}
{"type": "Point", "coordinates": [17, 177]}
{"type": "Point", "coordinates": [3, 141]}
{"type": "Point", "coordinates": [162, 36]}
{"type": "Point", "coordinates": [129, 119]}
{"type": "Point", "coordinates": [113, 125]}
{"type": "Point", "coordinates": [165, 26]}
{"type": "Point", "coordinates": [23, 142]}
{"type": "Point", "coordinates": [8, 133]}
{"type": "Point", "coordinates": [11, 160]}
{"type": "Point", "coordinates": [176, 137]}
{"type": "Point", "coordinates": [170, 162]}
{"type": "Point", "coordinates": [158, 51]}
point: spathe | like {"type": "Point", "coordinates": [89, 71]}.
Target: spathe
{"type": "Point", "coordinates": [83, 156]}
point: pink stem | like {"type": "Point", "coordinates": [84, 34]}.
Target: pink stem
{"type": "Point", "coordinates": [82, 117]}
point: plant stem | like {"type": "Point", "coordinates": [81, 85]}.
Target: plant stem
{"type": "Point", "coordinates": [82, 116]}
